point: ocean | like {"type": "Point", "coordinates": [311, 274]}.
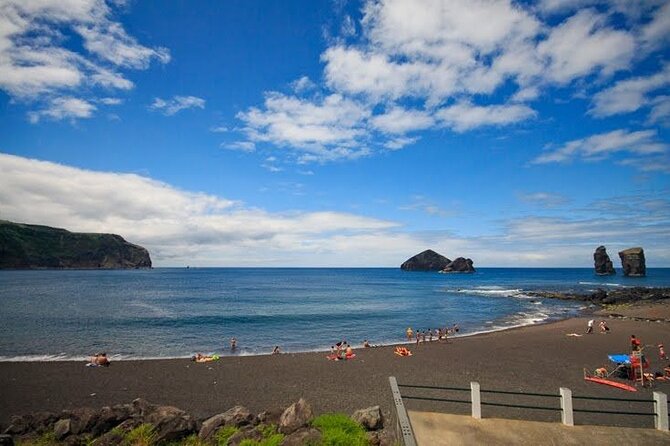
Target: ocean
{"type": "Point", "coordinates": [175, 312]}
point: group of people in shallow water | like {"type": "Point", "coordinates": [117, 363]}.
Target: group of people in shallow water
{"type": "Point", "coordinates": [429, 335]}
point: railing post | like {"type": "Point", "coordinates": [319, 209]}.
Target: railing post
{"type": "Point", "coordinates": [567, 417]}
{"type": "Point", "coordinates": [403, 419]}
{"type": "Point", "coordinates": [661, 411]}
{"type": "Point", "coordinates": [476, 398]}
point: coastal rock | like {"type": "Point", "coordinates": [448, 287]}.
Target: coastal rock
{"type": "Point", "coordinates": [459, 265]}
{"type": "Point", "coordinates": [603, 264]}
{"type": "Point", "coordinates": [295, 416]}
{"type": "Point", "coordinates": [24, 246]}
{"type": "Point", "coordinates": [170, 424]}
{"type": "Point", "coordinates": [210, 426]}
{"type": "Point", "coordinates": [427, 260]}
{"type": "Point", "coordinates": [6, 440]}
{"type": "Point", "coordinates": [37, 422]}
{"type": "Point", "coordinates": [81, 420]}
{"type": "Point", "coordinates": [111, 438]}
{"type": "Point", "coordinates": [632, 262]}
{"type": "Point", "coordinates": [271, 416]}
{"type": "Point", "coordinates": [371, 418]}
{"type": "Point", "coordinates": [141, 408]}
{"type": "Point", "coordinates": [62, 429]}
{"type": "Point", "coordinates": [381, 438]}
{"type": "Point", "coordinates": [238, 416]}
{"type": "Point", "coordinates": [110, 417]}
{"type": "Point", "coordinates": [307, 435]}
{"type": "Point", "coordinates": [246, 433]}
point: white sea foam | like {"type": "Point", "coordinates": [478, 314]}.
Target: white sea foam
{"type": "Point", "coordinates": [615, 285]}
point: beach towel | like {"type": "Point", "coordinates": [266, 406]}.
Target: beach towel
{"type": "Point", "coordinates": [574, 334]}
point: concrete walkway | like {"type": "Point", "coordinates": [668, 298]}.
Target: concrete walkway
{"type": "Point", "coordinates": [434, 429]}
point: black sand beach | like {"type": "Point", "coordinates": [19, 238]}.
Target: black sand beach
{"type": "Point", "coordinates": [531, 359]}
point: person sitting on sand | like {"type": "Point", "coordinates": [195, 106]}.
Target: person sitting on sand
{"type": "Point", "coordinates": [275, 351]}
{"type": "Point", "coordinates": [99, 360]}
{"type": "Point", "coordinates": [661, 352]}
{"type": "Point", "coordinates": [366, 344]}
{"type": "Point", "coordinates": [349, 352]}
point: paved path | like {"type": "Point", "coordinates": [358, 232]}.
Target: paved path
{"type": "Point", "coordinates": [437, 429]}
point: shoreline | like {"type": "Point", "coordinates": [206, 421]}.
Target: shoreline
{"type": "Point", "coordinates": [536, 358]}
{"type": "Point", "coordinates": [325, 350]}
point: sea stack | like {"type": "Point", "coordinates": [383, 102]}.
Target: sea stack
{"type": "Point", "coordinates": [459, 265]}
{"type": "Point", "coordinates": [603, 264]}
{"type": "Point", "coordinates": [632, 262]}
{"type": "Point", "coordinates": [428, 260]}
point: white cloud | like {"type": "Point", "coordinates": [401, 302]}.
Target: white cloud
{"type": "Point", "coordinates": [172, 106]}
{"type": "Point", "coordinates": [398, 120]}
{"type": "Point", "coordinates": [599, 48]}
{"type": "Point", "coordinates": [37, 62]}
{"type": "Point", "coordinates": [63, 108]}
{"type": "Point", "coordinates": [175, 225]}
{"type": "Point", "coordinates": [640, 144]}
{"type": "Point", "coordinates": [111, 101]}
{"type": "Point", "coordinates": [242, 146]}
{"type": "Point", "coordinates": [325, 129]}
{"type": "Point", "coordinates": [544, 199]}
{"type": "Point", "coordinates": [465, 116]}
{"type": "Point", "coordinates": [629, 95]}
{"type": "Point", "coordinates": [180, 227]}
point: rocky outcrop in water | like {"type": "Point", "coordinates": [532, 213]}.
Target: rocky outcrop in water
{"type": "Point", "coordinates": [459, 265]}
{"type": "Point", "coordinates": [25, 246]}
{"type": "Point", "coordinates": [428, 260]}
{"type": "Point", "coordinates": [603, 264]}
{"type": "Point", "coordinates": [632, 262]}
{"type": "Point", "coordinates": [603, 297]}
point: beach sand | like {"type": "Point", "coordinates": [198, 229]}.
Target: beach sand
{"type": "Point", "coordinates": [538, 358]}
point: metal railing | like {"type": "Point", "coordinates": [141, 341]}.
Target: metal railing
{"type": "Point", "coordinates": [565, 399]}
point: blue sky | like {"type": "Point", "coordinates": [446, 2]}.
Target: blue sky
{"type": "Point", "coordinates": [341, 133]}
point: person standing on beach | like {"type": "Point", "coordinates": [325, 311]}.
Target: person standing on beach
{"type": "Point", "coordinates": [589, 328]}
{"type": "Point", "coordinates": [418, 337]}
{"type": "Point", "coordinates": [409, 332]}
{"type": "Point", "coordinates": [233, 344]}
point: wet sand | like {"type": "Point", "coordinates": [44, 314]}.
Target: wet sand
{"type": "Point", "coordinates": [538, 358]}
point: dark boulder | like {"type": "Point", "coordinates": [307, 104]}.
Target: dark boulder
{"type": "Point", "coordinates": [633, 263]}
{"type": "Point", "coordinates": [428, 260]}
{"type": "Point", "coordinates": [38, 422]}
{"type": "Point", "coordinates": [6, 440]}
{"type": "Point", "coordinates": [459, 265]}
{"type": "Point", "coordinates": [254, 435]}
{"type": "Point", "coordinates": [603, 264]}
{"type": "Point", "coordinates": [170, 424]}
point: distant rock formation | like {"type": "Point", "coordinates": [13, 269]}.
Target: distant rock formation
{"type": "Point", "coordinates": [603, 264]}
{"type": "Point", "coordinates": [459, 265]}
{"type": "Point", "coordinates": [632, 262]}
{"type": "Point", "coordinates": [33, 247]}
{"type": "Point", "coordinates": [428, 260]}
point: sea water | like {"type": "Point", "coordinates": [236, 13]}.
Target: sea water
{"type": "Point", "coordinates": [175, 312]}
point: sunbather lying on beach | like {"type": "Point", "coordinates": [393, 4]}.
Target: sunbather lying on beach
{"type": "Point", "coordinates": [199, 357]}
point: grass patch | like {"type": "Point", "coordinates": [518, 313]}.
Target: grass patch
{"type": "Point", "coordinates": [223, 434]}
{"type": "Point", "coordinates": [340, 430]}
{"type": "Point", "coordinates": [46, 439]}
{"type": "Point", "coordinates": [142, 435]}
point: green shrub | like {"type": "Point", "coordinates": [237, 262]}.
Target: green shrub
{"type": "Point", "coordinates": [142, 435]}
{"type": "Point", "coordinates": [46, 439]}
{"type": "Point", "coordinates": [340, 430]}
{"type": "Point", "coordinates": [223, 434]}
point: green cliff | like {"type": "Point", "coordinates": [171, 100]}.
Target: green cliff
{"type": "Point", "coordinates": [30, 246]}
